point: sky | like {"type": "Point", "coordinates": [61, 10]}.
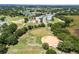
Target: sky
{"type": "Point", "coordinates": [42, 2]}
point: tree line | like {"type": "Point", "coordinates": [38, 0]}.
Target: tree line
{"type": "Point", "coordinates": [69, 43]}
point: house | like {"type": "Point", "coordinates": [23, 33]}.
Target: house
{"type": "Point", "coordinates": [45, 18]}
{"type": "Point", "coordinates": [41, 19]}
{"type": "Point", "coordinates": [49, 16]}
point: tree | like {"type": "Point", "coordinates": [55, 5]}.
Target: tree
{"type": "Point", "coordinates": [20, 32]}
{"type": "Point", "coordinates": [2, 18]}
{"type": "Point", "coordinates": [4, 25]}
{"type": "Point", "coordinates": [50, 51]}
{"type": "Point", "coordinates": [66, 20]}
{"type": "Point", "coordinates": [75, 44]}
{"type": "Point", "coordinates": [11, 40]}
{"type": "Point", "coordinates": [52, 18]}
{"type": "Point", "coordinates": [35, 26]}
{"type": "Point", "coordinates": [42, 25]}
{"type": "Point", "coordinates": [3, 36]}
{"type": "Point", "coordinates": [49, 24]}
{"type": "Point", "coordinates": [58, 25]}
{"type": "Point", "coordinates": [66, 46]}
{"type": "Point", "coordinates": [30, 27]}
{"type": "Point", "coordinates": [45, 46]}
{"type": "Point", "coordinates": [25, 20]}
{"type": "Point", "coordinates": [3, 48]}
{"type": "Point", "coordinates": [12, 27]}
{"type": "Point", "coordinates": [25, 28]}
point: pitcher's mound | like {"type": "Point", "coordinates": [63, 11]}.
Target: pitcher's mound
{"type": "Point", "coordinates": [51, 40]}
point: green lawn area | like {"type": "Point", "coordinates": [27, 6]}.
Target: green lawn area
{"type": "Point", "coordinates": [10, 19]}
{"type": "Point", "coordinates": [30, 43]}
{"type": "Point", "coordinates": [56, 20]}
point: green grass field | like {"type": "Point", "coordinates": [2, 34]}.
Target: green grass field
{"type": "Point", "coordinates": [30, 42]}
{"type": "Point", "coordinates": [56, 20]}
{"type": "Point", "coordinates": [9, 19]}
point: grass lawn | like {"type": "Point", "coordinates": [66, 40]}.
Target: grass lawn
{"type": "Point", "coordinates": [30, 43]}
{"type": "Point", "coordinates": [15, 20]}
{"type": "Point", "coordinates": [10, 19]}
{"type": "Point", "coordinates": [56, 20]}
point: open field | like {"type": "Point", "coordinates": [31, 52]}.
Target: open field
{"type": "Point", "coordinates": [75, 24]}
{"type": "Point", "coordinates": [28, 29]}
{"type": "Point", "coordinates": [30, 42]}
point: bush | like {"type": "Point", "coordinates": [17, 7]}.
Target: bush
{"type": "Point", "coordinates": [25, 20]}
{"type": "Point", "coordinates": [25, 28]}
{"type": "Point", "coordinates": [3, 48]}
{"type": "Point", "coordinates": [35, 26]}
{"type": "Point", "coordinates": [30, 27]}
{"type": "Point", "coordinates": [42, 25]}
{"type": "Point", "coordinates": [50, 51]}
{"type": "Point", "coordinates": [49, 24]}
{"type": "Point", "coordinates": [45, 46]}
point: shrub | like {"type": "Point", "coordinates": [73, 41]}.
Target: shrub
{"type": "Point", "coordinates": [25, 20]}
{"type": "Point", "coordinates": [42, 25]}
{"type": "Point", "coordinates": [50, 51]}
{"type": "Point", "coordinates": [30, 27]}
{"type": "Point", "coordinates": [3, 48]}
{"type": "Point", "coordinates": [45, 46]}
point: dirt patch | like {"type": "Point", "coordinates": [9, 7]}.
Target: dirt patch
{"type": "Point", "coordinates": [51, 40]}
{"type": "Point", "coordinates": [77, 31]}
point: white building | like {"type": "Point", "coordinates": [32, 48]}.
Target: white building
{"type": "Point", "coordinates": [45, 18]}
{"type": "Point", "coordinates": [42, 19]}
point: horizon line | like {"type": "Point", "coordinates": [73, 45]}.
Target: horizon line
{"type": "Point", "coordinates": [44, 4]}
